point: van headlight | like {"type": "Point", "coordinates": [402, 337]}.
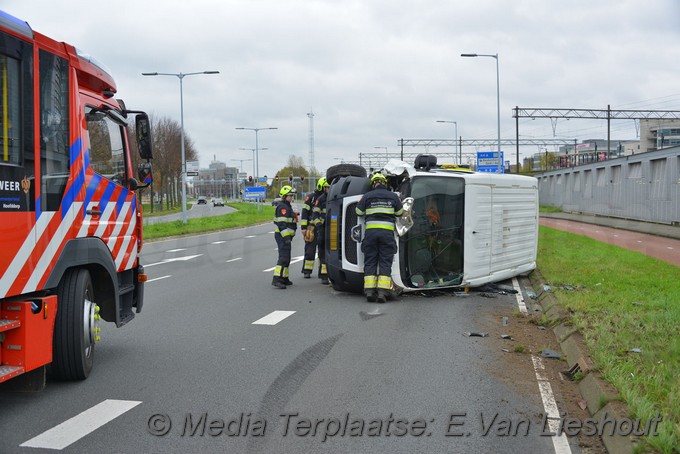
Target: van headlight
{"type": "Point", "coordinates": [405, 221]}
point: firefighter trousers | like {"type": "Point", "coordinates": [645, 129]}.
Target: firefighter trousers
{"type": "Point", "coordinates": [282, 264]}
{"type": "Point", "coordinates": [379, 247]}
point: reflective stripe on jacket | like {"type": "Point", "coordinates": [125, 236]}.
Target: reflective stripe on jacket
{"type": "Point", "coordinates": [284, 219]}
{"type": "Point", "coordinates": [380, 208]}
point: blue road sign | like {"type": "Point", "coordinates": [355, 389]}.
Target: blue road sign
{"type": "Point", "coordinates": [255, 193]}
{"type": "Point", "coordinates": [490, 161]}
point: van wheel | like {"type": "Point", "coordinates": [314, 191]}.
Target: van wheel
{"type": "Point", "coordinates": [76, 327]}
{"type": "Point", "coordinates": [344, 170]}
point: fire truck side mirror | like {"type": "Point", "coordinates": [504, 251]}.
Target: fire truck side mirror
{"type": "Point", "coordinates": [145, 176]}
{"type": "Point", "coordinates": [143, 132]}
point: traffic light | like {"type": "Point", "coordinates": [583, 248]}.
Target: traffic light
{"type": "Point", "coordinates": [250, 178]}
{"type": "Point", "coordinates": [290, 178]}
{"type": "Point", "coordinates": [302, 178]}
{"type": "Point", "coordinates": [276, 178]}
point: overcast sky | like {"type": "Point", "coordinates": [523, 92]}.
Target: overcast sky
{"type": "Point", "coordinates": [373, 71]}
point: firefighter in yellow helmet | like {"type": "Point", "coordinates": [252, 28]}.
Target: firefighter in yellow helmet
{"type": "Point", "coordinates": [286, 225]}
{"type": "Point", "coordinates": [319, 222]}
{"type": "Point", "coordinates": [380, 207]}
{"type": "Point", "coordinates": [311, 241]}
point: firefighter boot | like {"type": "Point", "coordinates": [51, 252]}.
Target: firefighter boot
{"type": "Point", "coordinates": [324, 279]}
{"type": "Point", "coordinates": [278, 282]}
{"type": "Point", "coordinates": [382, 296]}
{"type": "Point", "coordinates": [371, 295]}
{"type": "Point", "coordinates": [287, 281]}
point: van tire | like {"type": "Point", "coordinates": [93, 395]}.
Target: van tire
{"type": "Point", "coordinates": [344, 170]}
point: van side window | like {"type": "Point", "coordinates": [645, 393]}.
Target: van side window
{"type": "Point", "coordinates": [107, 156]}
{"type": "Point", "coordinates": [54, 130]}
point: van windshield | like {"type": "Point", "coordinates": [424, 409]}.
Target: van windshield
{"type": "Point", "coordinates": [433, 248]}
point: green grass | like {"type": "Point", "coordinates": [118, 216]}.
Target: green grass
{"type": "Point", "coordinates": [146, 209]}
{"type": "Point", "coordinates": [549, 209]}
{"type": "Point", "coordinates": [629, 301]}
{"type": "Point", "coordinates": [247, 214]}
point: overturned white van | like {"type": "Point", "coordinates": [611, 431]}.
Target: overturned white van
{"type": "Point", "coordinates": [460, 228]}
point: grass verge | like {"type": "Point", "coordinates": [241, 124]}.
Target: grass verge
{"type": "Point", "coordinates": [630, 301]}
{"type": "Point", "coordinates": [549, 209]}
{"type": "Point", "coordinates": [247, 214]}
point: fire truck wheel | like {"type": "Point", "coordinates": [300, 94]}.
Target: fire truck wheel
{"type": "Point", "coordinates": [75, 328]}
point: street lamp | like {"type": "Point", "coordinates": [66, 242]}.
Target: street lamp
{"type": "Point", "coordinates": [181, 76]}
{"type": "Point", "coordinates": [253, 151]}
{"type": "Point", "coordinates": [257, 152]}
{"type": "Point", "coordinates": [460, 151]}
{"type": "Point", "coordinates": [241, 161]}
{"type": "Point", "coordinates": [498, 102]}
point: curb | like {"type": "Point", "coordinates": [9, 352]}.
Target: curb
{"type": "Point", "coordinates": [602, 398]}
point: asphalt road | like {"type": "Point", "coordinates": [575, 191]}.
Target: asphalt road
{"type": "Point", "coordinates": [193, 373]}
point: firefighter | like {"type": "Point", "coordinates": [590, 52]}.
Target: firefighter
{"type": "Point", "coordinates": [380, 207]}
{"type": "Point", "coordinates": [286, 225]}
{"type": "Point", "coordinates": [319, 222]}
{"type": "Point", "coordinates": [310, 240]}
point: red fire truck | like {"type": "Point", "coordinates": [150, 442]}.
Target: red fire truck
{"type": "Point", "coordinates": [70, 223]}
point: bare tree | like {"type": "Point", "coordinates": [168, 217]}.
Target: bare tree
{"type": "Point", "coordinates": [167, 162]}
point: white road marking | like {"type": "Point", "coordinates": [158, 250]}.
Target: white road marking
{"type": "Point", "coordinates": [218, 242]}
{"type": "Point", "coordinates": [72, 430]}
{"type": "Point", "coordinates": [669, 247]}
{"type": "Point", "coordinates": [233, 260]}
{"type": "Point", "coordinates": [552, 412]}
{"type": "Point", "coordinates": [518, 295]}
{"type": "Point", "coordinates": [176, 250]}
{"type": "Point", "coordinates": [293, 260]}
{"type": "Point", "coordinates": [273, 318]}
{"type": "Point", "coordinates": [560, 443]}
{"type": "Point", "coordinates": [176, 259]}
{"type": "Point", "coordinates": [159, 278]}
{"type": "Point", "coordinates": [250, 236]}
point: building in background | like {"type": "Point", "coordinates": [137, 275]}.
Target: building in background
{"type": "Point", "coordinates": [217, 180]}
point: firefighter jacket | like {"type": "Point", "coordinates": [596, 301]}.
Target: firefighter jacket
{"type": "Point", "coordinates": [380, 208]}
{"type": "Point", "coordinates": [285, 220]}
{"type": "Point", "coordinates": [319, 211]}
{"type": "Point", "coordinates": [307, 207]}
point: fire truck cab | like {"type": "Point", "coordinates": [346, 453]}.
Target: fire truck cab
{"type": "Point", "coordinates": [70, 222]}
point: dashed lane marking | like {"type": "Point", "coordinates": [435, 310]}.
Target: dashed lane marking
{"type": "Point", "coordinates": [177, 250]}
{"type": "Point", "coordinates": [293, 260]}
{"type": "Point", "coordinates": [176, 259]}
{"type": "Point", "coordinates": [72, 430]}
{"type": "Point", "coordinates": [218, 242]}
{"type": "Point", "coordinates": [233, 260]}
{"type": "Point", "coordinates": [250, 236]}
{"type": "Point", "coordinates": [518, 295]}
{"type": "Point", "coordinates": [273, 318]}
{"type": "Point", "coordinates": [159, 278]}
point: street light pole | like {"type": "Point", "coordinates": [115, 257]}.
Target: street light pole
{"type": "Point", "coordinates": [257, 150]}
{"type": "Point", "coordinates": [455, 139]}
{"type": "Point", "coordinates": [498, 101]}
{"type": "Point", "coordinates": [181, 76]}
{"type": "Point", "coordinates": [241, 161]}
{"type": "Point", "coordinates": [253, 151]}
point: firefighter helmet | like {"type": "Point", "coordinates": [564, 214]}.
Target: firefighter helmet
{"type": "Point", "coordinates": [286, 190]}
{"type": "Point", "coordinates": [322, 183]}
{"type": "Point", "coordinates": [378, 178]}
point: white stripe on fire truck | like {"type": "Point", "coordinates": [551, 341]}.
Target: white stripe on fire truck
{"type": "Point", "coordinates": [125, 247]}
{"type": "Point", "coordinates": [104, 220]}
{"type": "Point", "coordinates": [51, 250]}
{"type": "Point", "coordinates": [24, 253]}
{"type": "Point", "coordinates": [119, 246]}
{"type": "Point", "coordinates": [119, 225]}
{"type": "Point", "coordinates": [87, 221]}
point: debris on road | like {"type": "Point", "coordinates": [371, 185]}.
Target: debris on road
{"type": "Point", "coordinates": [552, 354]}
{"type": "Point", "coordinates": [477, 334]}
{"type": "Point", "coordinates": [507, 336]}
